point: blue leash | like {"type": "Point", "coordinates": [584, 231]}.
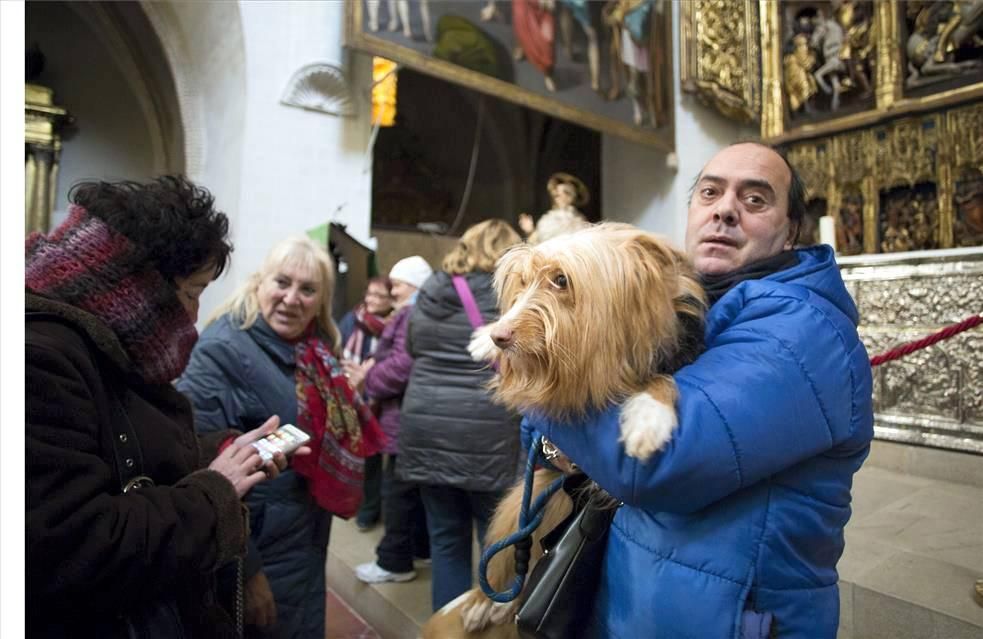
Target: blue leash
{"type": "Point", "coordinates": [522, 538]}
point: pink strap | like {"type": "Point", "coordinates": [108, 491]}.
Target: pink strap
{"type": "Point", "coordinates": [467, 299]}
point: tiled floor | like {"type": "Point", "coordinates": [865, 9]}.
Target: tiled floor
{"type": "Point", "coordinates": [343, 622]}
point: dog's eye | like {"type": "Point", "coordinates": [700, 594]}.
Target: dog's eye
{"type": "Point", "coordinates": [560, 280]}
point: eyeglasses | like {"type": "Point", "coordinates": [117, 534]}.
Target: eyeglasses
{"type": "Point", "coordinates": [381, 296]}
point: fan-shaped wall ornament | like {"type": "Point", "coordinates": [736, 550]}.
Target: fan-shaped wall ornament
{"type": "Point", "coordinates": [320, 87]}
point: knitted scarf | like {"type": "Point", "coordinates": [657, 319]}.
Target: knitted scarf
{"type": "Point", "coordinates": [342, 428]}
{"type": "Point", "coordinates": [366, 324]}
{"type": "Point", "coordinates": [81, 263]}
{"type": "Point", "coordinates": [717, 285]}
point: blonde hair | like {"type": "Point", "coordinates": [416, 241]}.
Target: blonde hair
{"type": "Point", "coordinates": [302, 252]}
{"type": "Point", "coordinates": [480, 247]}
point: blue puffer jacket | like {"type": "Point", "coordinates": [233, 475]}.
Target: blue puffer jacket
{"type": "Point", "coordinates": [237, 379]}
{"type": "Point", "coordinates": [744, 510]}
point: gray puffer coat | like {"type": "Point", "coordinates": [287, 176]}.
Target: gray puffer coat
{"type": "Point", "coordinates": [452, 433]}
{"type": "Point", "coordinates": [237, 379]}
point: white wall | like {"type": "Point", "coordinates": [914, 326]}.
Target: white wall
{"type": "Point", "coordinates": [639, 188]}
{"type": "Point", "coordinates": [276, 170]}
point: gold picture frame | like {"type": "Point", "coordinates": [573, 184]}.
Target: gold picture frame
{"type": "Point", "coordinates": [441, 47]}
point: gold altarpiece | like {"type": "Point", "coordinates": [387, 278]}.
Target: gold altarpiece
{"type": "Point", "coordinates": [42, 146]}
{"type": "Point", "coordinates": [879, 105]}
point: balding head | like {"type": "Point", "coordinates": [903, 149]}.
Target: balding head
{"type": "Point", "coordinates": [743, 209]}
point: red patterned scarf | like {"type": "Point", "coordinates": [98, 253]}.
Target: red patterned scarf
{"type": "Point", "coordinates": [83, 263]}
{"type": "Point", "coordinates": [342, 428]}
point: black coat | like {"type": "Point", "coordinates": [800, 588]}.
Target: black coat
{"type": "Point", "coordinates": [452, 433]}
{"type": "Point", "coordinates": [93, 553]}
{"type": "Point", "coordinates": [238, 379]}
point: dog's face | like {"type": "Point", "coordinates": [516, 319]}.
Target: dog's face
{"type": "Point", "coordinates": [587, 317]}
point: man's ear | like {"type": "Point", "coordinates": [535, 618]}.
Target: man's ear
{"type": "Point", "coordinates": [793, 235]}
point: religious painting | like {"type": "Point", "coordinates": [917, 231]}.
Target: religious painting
{"type": "Point", "coordinates": [606, 65]}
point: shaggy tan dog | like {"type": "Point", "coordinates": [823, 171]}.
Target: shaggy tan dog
{"type": "Point", "coordinates": [599, 316]}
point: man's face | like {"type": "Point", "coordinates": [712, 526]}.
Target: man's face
{"type": "Point", "coordinates": [738, 213]}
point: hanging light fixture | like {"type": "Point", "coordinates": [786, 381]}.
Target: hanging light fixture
{"type": "Point", "coordinates": [383, 92]}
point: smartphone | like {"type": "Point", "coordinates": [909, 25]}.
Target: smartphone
{"type": "Point", "coordinates": [285, 439]}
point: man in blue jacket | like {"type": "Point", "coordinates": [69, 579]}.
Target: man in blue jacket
{"type": "Point", "coordinates": [734, 528]}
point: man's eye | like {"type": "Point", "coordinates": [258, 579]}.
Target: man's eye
{"type": "Point", "coordinates": [707, 192]}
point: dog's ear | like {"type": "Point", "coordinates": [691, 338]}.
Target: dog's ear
{"type": "Point", "coordinates": [508, 271]}
{"type": "Point", "coordinates": [675, 264]}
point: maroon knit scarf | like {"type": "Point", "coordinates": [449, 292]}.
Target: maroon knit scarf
{"type": "Point", "coordinates": [342, 428]}
{"type": "Point", "coordinates": [366, 325]}
{"type": "Point", "coordinates": [82, 263]}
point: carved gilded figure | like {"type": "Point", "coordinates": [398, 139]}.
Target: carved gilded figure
{"type": "Point", "coordinates": [828, 39]}
{"type": "Point", "coordinates": [800, 85]}
{"type": "Point", "coordinates": [938, 31]}
{"type": "Point", "coordinates": [968, 226]}
{"type": "Point", "coordinates": [859, 42]}
{"type": "Point", "coordinates": [850, 226]}
{"type": "Point", "coordinates": [909, 222]}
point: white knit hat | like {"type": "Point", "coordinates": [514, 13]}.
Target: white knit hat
{"type": "Point", "coordinates": [413, 270]}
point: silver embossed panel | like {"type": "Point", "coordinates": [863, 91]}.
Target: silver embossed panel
{"type": "Point", "coordinates": [934, 396]}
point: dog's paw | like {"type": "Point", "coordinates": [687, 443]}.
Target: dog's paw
{"type": "Point", "coordinates": [481, 347]}
{"type": "Point", "coordinates": [478, 612]}
{"type": "Point", "coordinates": [646, 425]}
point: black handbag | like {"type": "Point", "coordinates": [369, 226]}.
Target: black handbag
{"type": "Point", "coordinates": [560, 591]}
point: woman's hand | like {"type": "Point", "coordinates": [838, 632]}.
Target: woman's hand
{"type": "Point", "coordinates": [356, 373]}
{"type": "Point", "coordinates": [260, 605]}
{"type": "Point", "coordinates": [241, 464]}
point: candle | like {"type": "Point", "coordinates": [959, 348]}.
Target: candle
{"type": "Point", "coordinates": [827, 231]}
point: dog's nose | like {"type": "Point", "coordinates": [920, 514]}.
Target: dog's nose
{"type": "Point", "coordinates": [502, 335]}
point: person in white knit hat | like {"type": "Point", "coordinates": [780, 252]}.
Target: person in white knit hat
{"type": "Point", "coordinates": [407, 276]}
{"type": "Point", "coordinates": [384, 378]}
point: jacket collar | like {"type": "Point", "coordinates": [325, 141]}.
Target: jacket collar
{"type": "Point", "coordinates": [97, 330]}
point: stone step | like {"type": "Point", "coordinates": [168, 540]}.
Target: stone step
{"type": "Point", "coordinates": [394, 610]}
{"type": "Point", "coordinates": [914, 551]}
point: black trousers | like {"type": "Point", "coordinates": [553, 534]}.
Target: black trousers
{"type": "Point", "coordinates": [371, 509]}
{"type": "Point", "coordinates": [405, 521]}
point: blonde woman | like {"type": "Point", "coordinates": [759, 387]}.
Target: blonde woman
{"type": "Point", "coordinates": [270, 343]}
{"type": "Point", "coordinates": [461, 448]}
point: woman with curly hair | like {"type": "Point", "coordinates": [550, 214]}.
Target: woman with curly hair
{"type": "Point", "coordinates": [128, 513]}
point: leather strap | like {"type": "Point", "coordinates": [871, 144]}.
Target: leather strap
{"type": "Point", "coordinates": [467, 299]}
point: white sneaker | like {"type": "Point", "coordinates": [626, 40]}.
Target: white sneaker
{"type": "Point", "coordinates": [373, 573]}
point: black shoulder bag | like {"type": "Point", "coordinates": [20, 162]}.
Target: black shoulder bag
{"type": "Point", "coordinates": [561, 589]}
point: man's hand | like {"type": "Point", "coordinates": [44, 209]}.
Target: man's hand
{"type": "Point", "coordinates": [260, 606]}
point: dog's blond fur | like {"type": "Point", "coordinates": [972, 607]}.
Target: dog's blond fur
{"type": "Point", "coordinates": [588, 319]}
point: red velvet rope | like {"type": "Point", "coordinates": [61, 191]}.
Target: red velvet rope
{"type": "Point", "coordinates": [911, 347]}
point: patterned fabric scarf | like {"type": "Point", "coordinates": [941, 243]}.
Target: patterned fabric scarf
{"type": "Point", "coordinates": [82, 263]}
{"type": "Point", "coordinates": [366, 324]}
{"type": "Point", "coordinates": [342, 428]}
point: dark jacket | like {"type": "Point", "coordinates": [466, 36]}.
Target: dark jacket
{"type": "Point", "coordinates": [94, 553]}
{"type": "Point", "coordinates": [238, 379]}
{"type": "Point", "coordinates": [386, 381]}
{"type": "Point", "coordinates": [452, 432]}
{"type": "Point", "coordinates": [744, 509]}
